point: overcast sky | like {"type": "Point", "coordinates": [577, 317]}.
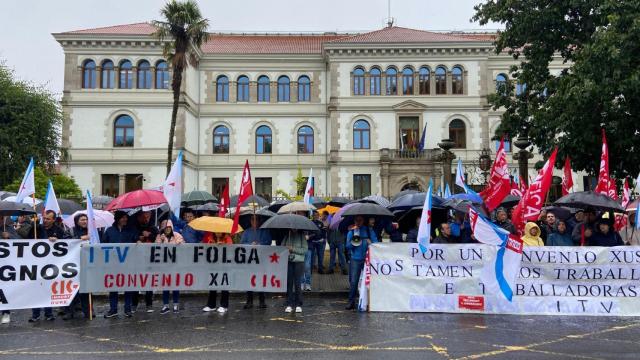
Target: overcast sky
{"type": "Point", "coordinates": [26, 44]}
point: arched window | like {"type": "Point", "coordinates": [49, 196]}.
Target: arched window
{"type": "Point", "coordinates": [358, 81]}
{"type": "Point", "coordinates": [441, 80]}
{"type": "Point", "coordinates": [108, 75]}
{"type": "Point", "coordinates": [423, 80]}
{"type": "Point", "coordinates": [284, 89]}
{"type": "Point", "coordinates": [263, 140]}
{"type": "Point", "coordinates": [144, 75]}
{"type": "Point", "coordinates": [361, 132]}
{"type": "Point", "coordinates": [407, 81]}
{"type": "Point", "coordinates": [221, 140]}
{"type": "Point", "coordinates": [89, 74]}
{"type": "Point", "coordinates": [123, 131]}
{"type": "Point", "coordinates": [457, 83]}
{"type": "Point", "coordinates": [458, 133]}
{"type": "Point", "coordinates": [374, 81]}
{"type": "Point", "coordinates": [263, 89]}
{"type": "Point", "coordinates": [126, 75]}
{"type": "Point", "coordinates": [501, 84]}
{"type": "Point", "coordinates": [304, 88]}
{"type": "Point", "coordinates": [162, 75]}
{"type": "Point", "coordinates": [305, 140]}
{"type": "Point", "coordinates": [243, 88]}
{"type": "Point", "coordinates": [222, 89]}
{"type": "Point", "coordinates": [392, 81]}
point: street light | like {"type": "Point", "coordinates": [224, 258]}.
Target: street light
{"type": "Point", "coordinates": [523, 156]}
{"type": "Point", "coordinates": [485, 163]}
{"type": "Point", "coordinates": [447, 157]}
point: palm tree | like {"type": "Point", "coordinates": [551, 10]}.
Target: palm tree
{"type": "Point", "coordinates": [186, 29]}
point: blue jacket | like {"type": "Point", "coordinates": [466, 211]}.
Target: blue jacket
{"type": "Point", "coordinates": [359, 252]}
{"type": "Point", "coordinates": [260, 236]}
{"type": "Point", "coordinates": [113, 235]}
{"type": "Point", "coordinates": [557, 239]}
{"type": "Point", "coordinates": [190, 235]}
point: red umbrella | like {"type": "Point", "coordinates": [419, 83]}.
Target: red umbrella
{"type": "Point", "coordinates": [136, 199]}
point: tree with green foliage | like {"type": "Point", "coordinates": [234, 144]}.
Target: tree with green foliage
{"type": "Point", "coordinates": [301, 182]}
{"type": "Point", "coordinates": [64, 186]}
{"type": "Point", "coordinates": [183, 30]}
{"type": "Point", "coordinates": [599, 42]}
{"type": "Point", "coordinates": [30, 120]}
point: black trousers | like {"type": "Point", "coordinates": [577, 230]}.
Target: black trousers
{"type": "Point", "coordinates": [224, 299]}
{"type": "Point", "coordinates": [148, 298]}
{"type": "Point", "coordinates": [261, 297]}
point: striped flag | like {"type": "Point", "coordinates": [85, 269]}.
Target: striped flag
{"type": "Point", "coordinates": [94, 237]}
{"type": "Point", "coordinates": [50, 201]}
{"type": "Point", "coordinates": [28, 185]}
{"type": "Point", "coordinates": [308, 190]}
{"type": "Point", "coordinates": [424, 229]}
{"type": "Point", "coordinates": [172, 187]}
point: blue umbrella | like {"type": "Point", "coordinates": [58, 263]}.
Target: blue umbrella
{"type": "Point", "coordinates": [411, 200]}
{"type": "Point", "coordinates": [474, 198]}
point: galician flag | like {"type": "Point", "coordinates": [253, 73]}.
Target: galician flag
{"type": "Point", "coordinates": [50, 201]}
{"type": "Point", "coordinates": [172, 187]}
{"type": "Point", "coordinates": [424, 229]}
{"type": "Point", "coordinates": [447, 191]}
{"type": "Point", "coordinates": [461, 182]}
{"type": "Point", "coordinates": [501, 277]}
{"type": "Point", "coordinates": [308, 190]}
{"type": "Point", "coordinates": [94, 237]}
{"type": "Point", "coordinates": [28, 185]}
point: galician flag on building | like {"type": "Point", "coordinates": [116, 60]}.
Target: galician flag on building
{"type": "Point", "coordinates": [424, 229]}
{"type": "Point", "coordinates": [172, 187]}
{"type": "Point", "coordinates": [94, 237]}
{"type": "Point", "coordinates": [28, 185]}
{"type": "Point", "coordinates": [501, 277]}
{"type": "Point", "coordinates": [308, 190]}
{"type": "Point", "coordinates": [50, 200]}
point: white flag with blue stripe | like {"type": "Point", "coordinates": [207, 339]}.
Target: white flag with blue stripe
{"type": "Point", "coordinates": [172, 187]}
{"type": "Point", "coordinates": [92, 229]}
{"type": "Point", "coordinates": [28, 185]}
{"type": "Point", "coordinates": [447, 191]}
{"type": "Point", "coordinates": [424, 229]}
{"type": "Point", "coordinates": [50, 200]}
{"type": "Point", "coordinates": [501, 277]}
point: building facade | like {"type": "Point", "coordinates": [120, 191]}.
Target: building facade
{"type": "Point", "coordinates": [352, 107]}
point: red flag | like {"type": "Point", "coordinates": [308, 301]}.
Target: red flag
{"type": "Point", "coordinates": [612, 190]}
{"type": "Point", "coordinates": [621, 220]}
{"type": "Point", "coordinates": [529, 207]}
{"type": "Point", "coordinates": [246, 190]}
{"type": "Point", "coordinates": [498, 187]}
{"type": "Point", "coordinates": [515, 187]}
{"type": "Point", "coordinates": [567, 178]}
{"type": "Point", "coordinates": [603, 176]}
{"type": "Point", "coordinates": [224, 202]}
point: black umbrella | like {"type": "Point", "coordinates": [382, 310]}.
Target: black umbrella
{"type": "Point", "coordinates": [510, 201]}
{"type": "Point", "coordinates": [210, 207]}
{"type": "Point", "coordinates": [403, 193]}
{"type": "Point", "coordinates": [6, 194]}
{"type": "Point", "coordinates": [100, 201]}
{"type": "Point", "coordinates": [375, 199]}
{"type": "Point", "coordinates": [253, 200]}
{"type": "Point", "coordinates": [262, 215]}
{"type": "Point", "coordinates": [381, 215]}
{"type": "Point", "coordinates": [589, 199]}
{"type": "Point", "coordinates": [318, 203]}
{"type": "Point", "coordinates": [67, 207]}
{"type": "Point", "coordinates": [413, 199]}
{"type": "Point", "coordinates": [289, 222]}
{"type": "Point", "coordinates": [197, 197]}
{"type": "Point", "coordinates": [276, 205]}
{"type": "Point", "coordinates": [338, 201]}
{"type": "Point", "coordinates": [457, 204]}
{"type": "Point", "coordinates": [10, 208]}
{"type": "Point", "coordinates": [562, 213]}
{"type": "Point", "coordinates": [407, 220]}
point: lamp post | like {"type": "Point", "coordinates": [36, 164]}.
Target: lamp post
{"type": "Point", "coordinates": [523, 156]}
{"type": "Point", "coordinates": [485, 163]}
{"type": "Point", "coordinates": [447, 157]}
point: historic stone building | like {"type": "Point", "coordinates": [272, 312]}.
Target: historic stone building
{"type": "Point", "coordinates": [351, 106]}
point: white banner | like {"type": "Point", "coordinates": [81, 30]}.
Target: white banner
{"type": "Point", "coordinates": [38, 273]}
{"type": "Point", "coordinates": [140, 267]}
{"type": "Point", "coordinates": [552, 280]}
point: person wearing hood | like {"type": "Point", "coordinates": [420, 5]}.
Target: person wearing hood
{"type": "Point", "coordinates": [190, 235]}
{"type": "Point", "coordinates": [502, 220]}
{"type": "Point", "coordinates": [604, 235]}
{"type": "Point", "coordinates": [168, 236]}
{"type": "Point", "coordinates": [531, 235]}
{"type": "Point", "coordinates": [560, 236]}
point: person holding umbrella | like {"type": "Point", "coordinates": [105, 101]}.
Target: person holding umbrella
{"type": "Point", "coordinates": [168, 236]}
{"type": "Point", "coordinates": [584, 230]}
{"type": "Point", "coordinates": [359, 237]}
{"type": "Point", "coordinates": [604, 235]}
{"type": "Point", "coordinates": [255, 236]}
{"type": "Point", "coordinates": [218, 239]}
{"type": "Point", "coordinates": [297, 244]}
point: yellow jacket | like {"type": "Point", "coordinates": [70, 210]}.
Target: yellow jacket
{"type": "Point", "coordinates": [529, 240]}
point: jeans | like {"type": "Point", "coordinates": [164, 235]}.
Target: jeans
{"type": "Point", "coordinates": [35, 313]}
{"type": "Point", "coordinates": [148, 298]}
{"type": "Point", "coordinates": [308, 260]}
{"type": "Point", "coordinates": [337, 249]}
{"type": "Point", "coordinates": [261, 297]}
{"type": "Point", "coordinates": [165, 297]}
{"type": "Point", "coordinates": [355, 269]}
{"type": "Point", "coordinates": [213, 296]}
{"type": "Point", "coordinates": [318, 251]}
{"type": "Point", "coordinates": [113, 301]}
{"type": "Point", "coordinates": [295, 271]}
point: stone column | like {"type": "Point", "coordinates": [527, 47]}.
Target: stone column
{"type": "Point", "coordinates": [273, 92]}
{"type": "Point", "coordinates": [122, 184]}
{"type": "Point", "coordinates": [253, 92]}
{"type": "Point", "coordinates": [293, 92]}
{"type": "Point", "coordinates": [447, 157]}
{"type": "Point", "coordinates": [99, 77]}
{"type": "Point", "coordinates": [449, 83]}
{"type": "Point", "coordinates": [233, 92]}
{"type": "Point", "coordinates": [432, 83]}
{"type": "Point", "coordinates": [367, 83]}
{"type": "Point", "coordinates": [385, 162]}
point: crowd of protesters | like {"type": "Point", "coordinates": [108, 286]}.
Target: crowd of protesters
{"type": "Point", "coordinates": [347, 251]}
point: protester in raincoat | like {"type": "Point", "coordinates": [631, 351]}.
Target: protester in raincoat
{"type": "Point", "coordinates": [560, 235]}
{"type": "Point", "coordinates": [168, 236]}
{"type": "Point", "coordinates": [532, 235]}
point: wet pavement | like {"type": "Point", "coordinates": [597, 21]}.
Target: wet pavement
{"type": "Point", "coordinates": [323, 331]}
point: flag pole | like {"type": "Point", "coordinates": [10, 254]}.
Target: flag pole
{"type": "Point", "coordinates": [90, 307]}
{"type": "Point", "coordinates": [34, 218]}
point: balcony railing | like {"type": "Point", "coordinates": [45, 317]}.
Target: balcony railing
{"type": "Point", "coordinates": [409, 154]}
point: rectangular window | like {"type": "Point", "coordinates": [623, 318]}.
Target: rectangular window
{"type": "Point", "coordinates": [263, 92]}
{"type": "Point", "coordinates": [361, 185]}
{"type": "Point", "coordinates": [263, 187]}
{"type": "Point", "coordinates": [283, 92]}
{"type": "Point", "coordinates": [507, 145]}
{"type": "Point", "coordinates": [304, 92]}
{"type": "Point", "coordinates": [110, 185]}
{"type": "Point", "coordinates": [132, 182]}
{"type": "Point", "coordinates": [243, 92]}
{"type": "Point", "coordinates": [409, 129]}
{"type": "Point", "coordinates": [222, 92]}
{"type": "Point", "coordinates": [392, 84]}
{"type": "Point", "coordinates": [217, 187]}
